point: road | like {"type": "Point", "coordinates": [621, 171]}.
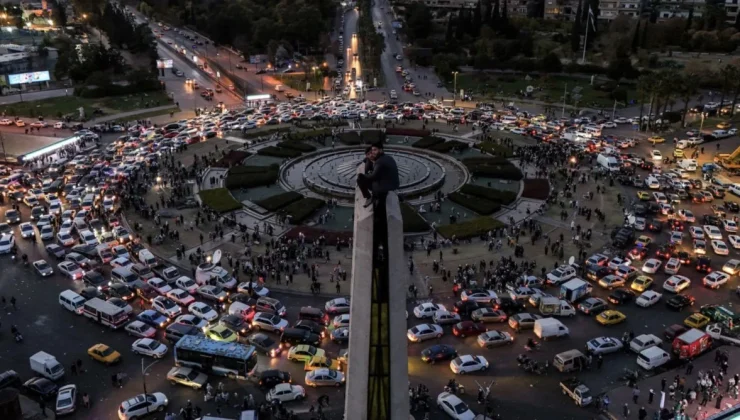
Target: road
{"type": "Point", "coordinates": [352, 53]}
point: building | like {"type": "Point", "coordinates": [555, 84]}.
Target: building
{"type": "Point", "coordinates": [610, 9]}
{"type": "Point", "coordinates": [443, 4]}
{"type": "Point", "coordinates": [561, 9]}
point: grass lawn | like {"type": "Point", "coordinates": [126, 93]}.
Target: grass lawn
{"type": "Point", "coordinates": [547, 88]}
{"type": "Point", "coordinates": [298, 81]}
{"type": "Point", "coordinates": [64, 105]}
{"type": "Point", "coordinates": [148, 114]}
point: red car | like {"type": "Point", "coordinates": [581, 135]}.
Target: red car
{"type": "Point", "coordinates": [676, 225]}
{"type": "Point", "coordinates": [638, 253]}
{"type": "Point", "coordinates": [468, 328]}
{"type": "Point", "coordinates": [666, 251]}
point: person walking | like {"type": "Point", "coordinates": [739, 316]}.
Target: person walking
{"type": "Point", "coordinates": [42, 407]}
{"type": "Point", "coordinates": [651, 395]}
{"type": "Point", "coordinates": [718, 405]}
{"type": "Point", "coordinates": [662, 384]}
{"type": "Point", "coordinates": [86, 400]}
{"type": "Point", "coordinates": [690, 367]}
{"type": "Point", "coordinates": [13, 303]}
{"type": "Point", "coordinates": [626, 410]}
{"type": "Point", "coordinates": [642, 414]}
{"type": "Point", "coordinates": [635, 394]}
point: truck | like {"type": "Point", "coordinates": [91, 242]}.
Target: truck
{"type": "Point", "coordinates": [574, 290]}
{"type": "Point", "coordinates": [46, 365]}
{"type": "Point", "coordinates": [610, 163]}
{"type": "Point", "coordinates": [691, 344]}
{"type": "Point", "coordinates": [577, 391]}
{"type": "Point", "coordinates": [557, 307]}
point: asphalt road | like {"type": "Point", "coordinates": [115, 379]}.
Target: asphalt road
{"type": "Point", "coordinates": [46, 326]}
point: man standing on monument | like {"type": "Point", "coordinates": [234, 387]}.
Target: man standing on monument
{"type": "Point", "coordinates": [384, 176]}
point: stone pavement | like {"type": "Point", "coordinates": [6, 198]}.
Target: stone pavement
{"type": "Point", "coordinates": [620, 396]}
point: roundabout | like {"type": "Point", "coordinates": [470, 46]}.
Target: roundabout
{"type": "Point", "coordinates": [333, 173]}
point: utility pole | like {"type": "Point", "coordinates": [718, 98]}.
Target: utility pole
{"type": "Point", "coordinates": [143, 377]}
{"type": "Point", "coordinates": [454, 89]}
{"type": "Point", "coordinates": [565, 93]}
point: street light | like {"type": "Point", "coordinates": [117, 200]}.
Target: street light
{"type": "Point", "coordinates": [143, 378]}
{"type": "Point", "coordinates": [454, 88]}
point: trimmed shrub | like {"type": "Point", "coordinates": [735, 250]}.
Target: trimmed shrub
{"type": "Point", "coordinates": [297, 145]}
{"type": "Point", "coordinates": [495, 149]}
{"type": "Point", "coordinates": [407, 132]}
{"type": "Point", "coordinates": [412, 221]}
{"type": "Point", "coordinates": [280, 152]}
{"type": "Point", "coordinates": [372, 136]}
{"type": "Point", "coordinates": [350, 138]}
{"type": "Point", "coordinates": [276, 202]}
{"type": "Point", "coordinates": [493, 167]}
{"type": "Point", "coordinates": [219, 200]}
{"type": "Point", "coordinates": [485, 160]}
{"type": "Point", "coordinates": [305, 135]}
{"type": "Point", "coordinates": [303, 209]}
{"type": "Point", "coordinates": [469, 229]}
{"type": "Point", "coordinates": [427, 142]}
{"type": "Point", "coordinates": [234, 157]}
{"type": "Point", "coordinates": [477, 204]}
{"type": "Point", "coordinates": [492, 194]}
{"type": "Point", "coordinates": [251, 176]}
{"type": "Point", "coordinates": [449, 145]}
{"type": "Point", "coordinates": [262, 133]}
{"type": "Point", "coordinates": [538, 189]}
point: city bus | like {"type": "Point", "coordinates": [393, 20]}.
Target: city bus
{"type": "Point", "coordinates": [105, 313]}
{"type": "Point", "coordinates": [234, 360]}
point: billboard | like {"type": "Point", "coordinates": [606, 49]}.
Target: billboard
{"type": "Point", "coordinates": [262, 97]}
{"type": "Point", "coordinates": [164, 64]}
{"type": "Point", "coordinates": [37, 76]}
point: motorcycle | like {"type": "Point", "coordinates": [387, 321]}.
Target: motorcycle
{"type": "Point", "coordinates": [455, 389]}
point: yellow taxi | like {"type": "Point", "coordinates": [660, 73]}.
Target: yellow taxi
{"type": "Point", "coordinates": [104, 354]}
{"type": "Point", "coordinates": [644, 195]}
{"type": "Point", "coordinates": [221, 333]}
{"type": "Point", "coordinates": [318, 362]}
{"type": "Point", "coordinates": [610, 317]}
{"type": "Point", "coordinates": [643, 240]}
{"type": "Point", "coordinates": [724, 125]}
{"type": "Point", "coordinates": [696, 320]}
{"type": "Point", "coordinates": [678, 153]}
{"type": "Point", "coordinates": [656, 139]}
{"type": "Point", "coordinates": [641, 283]}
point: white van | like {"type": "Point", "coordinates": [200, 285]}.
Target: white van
{"type": "Point", "coordinates": [147, 258]}
{"type": "Point", "coordinates": [720, 134]}
{"type": "Point", "coordinates": [71, 301]}
{"type": "Point", "coordinates": [687, 164]}
{"type": "Point", "coordinates": [610, 163]}
{"type": "Point", "coordinates": [547, 328]}
{"type": "Point", "coordinates": [569, 361]}
{"type": "Point", "coordinates": [592, 130]}
{"type": "Point", "coordinates": [652, 357]}
{"type": "Point", "coordinates": [279, 88]}
{"type": "Point", "coordinates": [509, 119]}
{"type": "Point", "coordinates": [552, 306]}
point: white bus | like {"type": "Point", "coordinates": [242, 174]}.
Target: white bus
{"type": "Point", "coordinates": [105, 313]}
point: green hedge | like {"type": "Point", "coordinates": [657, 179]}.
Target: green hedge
{"type": "Point", "coordinates": [251, 176]}
{"type": "Point", "coordinates": [495, 149]}
{"type": "Point", "coordinates": [493, 167]}
{"type": "Point", "coordinates": [280, 152]}
{"type": "Point", "coordinates": [276, 202]}
{"type": "Point", "coordinates": [258, 133]}
{"type": "Point", "coordinates": [372, 136]}
{"type": "Point", "coordinates": [297, 146]}
{"type": "Point", "coordinates": [485, 160]}
{"type": "Point", "coordinates": [469, 229]}
{"type": "Point", "coordinates": [350, 138]}
{"type": "Point", "coordinates": [427, 142]}
{"type": "Point", "coordinates": [219, 199]}
{"type": "Point", "coordinates": [449, 145]}
{"type": "Point", "coordinates": [310, 134]}
{"type": "Point", "coordinates": [412, 221]}
{"type": "Point", "coordinates": [303, 209]}
{"type": "Point", "coordinates": [492, 194]}
{"type": "Point", "coordinates": [479, 205]}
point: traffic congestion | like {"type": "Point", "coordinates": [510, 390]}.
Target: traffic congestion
{"type": "Point", "coordinates": [64, 225]}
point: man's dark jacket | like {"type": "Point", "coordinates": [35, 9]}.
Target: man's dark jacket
{"type": "Point", "coordinates": [384, 177]}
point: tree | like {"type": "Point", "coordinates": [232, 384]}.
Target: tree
{"type": "Point", "coordinates": [448, 32]}
{"type": "Point", "coordinates": [417, 21]}
{"type": "Point", "coordinates": [496, 15]}
{"type": "Point", "coordinates": [619, 68]}
{"type": "Point", "coordinates": [460, 26]}
{"type": "Point", "coordinates": [575, 31]}
{"type": "Point", "coordinates": [477, 20]}
{"type": "Point", "coordinates": [690, 19]}
{"type": "Point", "coordinates": [505, 15]}
{"type": "Point", "coordinates": [636, 38]}
{"type": "Point", "coordinates": [551, 63]}
{"type": "Point", "coordinates": [725, 73]}
{"type": "Point", "coordinates": [486, 11]}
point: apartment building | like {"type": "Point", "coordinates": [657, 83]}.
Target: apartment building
{"type": "Point", "coordinates": [610, 9]}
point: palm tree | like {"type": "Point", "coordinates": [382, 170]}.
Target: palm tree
{"type": "Point", "coordinates": [687, 87]}
{"type": "Point", "coordinates": [725, 73]}
{"type": "Point", "coordinates": [735, 84]}
{"type": "Point", "coordinates": [643, 92]}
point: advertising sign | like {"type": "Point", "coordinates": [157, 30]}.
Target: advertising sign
{"type": "Point", "coordinates": [37, 76]}
{"type": "Point", "coordinates": [164, 64]}
{"type": "Point", "coordinates": [262, 97]}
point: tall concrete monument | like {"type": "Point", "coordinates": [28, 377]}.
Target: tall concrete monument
{"type": "Point", "coordinates": [377, 375]}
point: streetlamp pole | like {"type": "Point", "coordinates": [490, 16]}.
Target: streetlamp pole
{"type": "Point", "coordinates": [454, 89]}
{"type": "Point", "coordinates": [143, 378]}
{"type": "Point", "coordinates": [701, 126]}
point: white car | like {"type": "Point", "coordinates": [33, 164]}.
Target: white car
{"type": "Point", "coordinates": [46, 233]}
{"type": "Point", "coordinates": [159, 285]}
{"type": "Point", "coordinates": [446, 318]}
{"type": "Point", "coordinates": [121, 262]}
{"type": "Point", "coordinates": [204, 311]}
{"type": "Point", "coordinates": [187, 284]}
{"type": "Point", "coordinates": [141, 405]}
{"type": "Point", "coordinates": [676, 284]}
{"type": "Point", "coordinates": [427, 310]}
{"type": "Point", "coordinates": [181, 297]}
{"type": "Point", "coordinates": [712, 232]}
{"type": "Point", "coordinates": [672, 266]}
{"type": "Point", "coordinates": [729, 225]}
{"type": "Point", "coordinates": [66, 400]}
{"type": "Point", "coordinates": [648, 298]}
{"type": "Point", "coordinates": [149, 347]}
{"type": "Point", "coordinates": [651, 266]}
{"type": "Point", "coordinates": [65, 239]}
{"type": "Point", "coordinates": [468, 363]}
{"type": "Point", "coordinates": [66, 226]}
{"type": "Point", "coordinates": [656, 155]}
{"type": "Point", "coordinates": [604, 345]}
{"type": "Point", "coordinates": [720, 248]}
{"type": "Point", "coordinates": [696, 232]}
{"type": "Point", "coordinates": [88, 238]}
{"type": "Point", "coordinates": [731, 267]}
{"type": "Point", "coordinates": [257, 289]}
{"type": "Point", "coordinates": [734, 241]}
{"type": "Point", "coordinates": [71, 270]}
{"type": "Point", "coordinates": [166, 307]}
{"type": "Point", "coordinates": [611, 281]}
{"type": "Point", "coordinates": [715, 280]}
{"type": "Point", "coordinates": [423, 332]}
{"type": "Point", "coordinates": [120, 251]}
{"type": "Point", "coordinates": [479, 295]}
{"type": "Point", "coordinates": [686, 215]}
{"type": "Point", "coordinates": [735, 189]}
{"type": "Point", "coordinates": [27, 230]}
{"type": "Point", "coordinates": [676, 238]}
{"type": "Point", "coordinates": [615, 262]}
{"type": "Point", "coordinates": [189, 319]}
{"type": "Point", "coordinates": [7, 241]}
{"type": "Point", "coordinates": [700, 247]}
{"type": "Point", "coordinates": [286, 393]}
{"type": "Point", "coordinates": [140, 329]}
{"type": "Point", "coordinates": [644, 341]}
{"type": "Point", "coordinates": [454, 407]}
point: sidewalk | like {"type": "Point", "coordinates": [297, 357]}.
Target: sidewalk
{"type": "Point", "coordinates": [32, 411]}
{"type": "Point", "coordinates": [133, 114]}
{"type": "Point", "coordinates": [622, 395]}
